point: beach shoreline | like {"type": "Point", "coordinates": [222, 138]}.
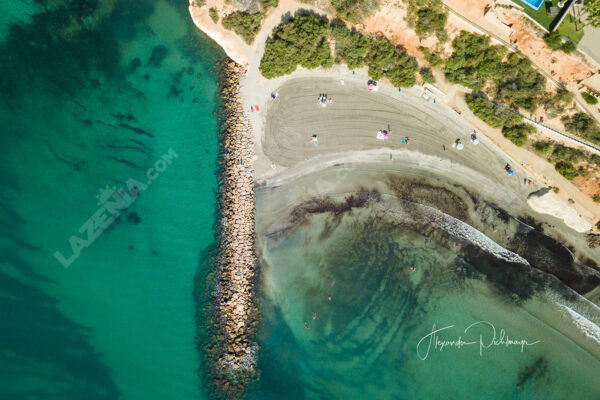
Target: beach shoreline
{"type": "Point", "coordinates": [278, 153]}
{"type": "Point", "coordinates": [232, 349]}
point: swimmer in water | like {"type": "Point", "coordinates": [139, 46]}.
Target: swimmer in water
{"type": "Point", "coordinates": [412, 269]}
{"type": "Point", "coordinates": [306, 325]}
{"type": "Point", "coordinates": [329, 298]}
{"type": "Point", "coordinates": [314, 316]}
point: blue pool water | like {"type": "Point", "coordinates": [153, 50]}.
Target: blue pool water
{"type": "Point", "coordinates": [535, 4]}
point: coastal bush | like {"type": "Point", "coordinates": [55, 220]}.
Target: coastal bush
{"type": "Point", "coordinates": [518, 83]}
{"type": "Point", "coordinates": [596, 198]}
{"type": "Point", "coordinates": [354, 10]}
{"type": "Point", "coordinates": [583, 125]}
{"type": "Point", "coordinates": [518, 134]}
{"type": "Point", "coordinates": [214, 14]}
{"type": "Point", "coordinates": [476, 64]}
{"type": "Point", "coordinates": [595, 159]}
{"type": "Point", "coordinates": [495, 115]}
{"type": "Point", "coordinates": [592, 11]}
{"type": "Point", "coordinates": [553, 40]}
{"type": "Point", "coordinates": [244, 24]}
{"type": "Point", "coordinates": [564, 153]}
{"type": "Point", "coordinates": [555, 104]}
{"type": "Point", "coordinates": [589, 98]}
{"type": "Point", "coordinates": [568, 47]}
{"type": "Point", "coordinates": [387, 61]}
{"type": "Point", "coordinates": [303, 41]}
{"type": "Point", "coordinates": [430, 20]}
{"type": "Point", "coordinates": [432, 58]}
{"type": "Point", "coordinates": [350, 47]}
{"type": "Point", "coordinates": [427, 75]}
{"type": "Point", "coordinates": [566, 169]}
{"type": "Point", "coordinates": [473, 60]}
{"type": "Point", "coordinates": [545, 147]}
{"type": "Point", "coordinates": [266, 4]}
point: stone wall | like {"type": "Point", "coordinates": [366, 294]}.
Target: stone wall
{"type": "Point", "coordinates": [236, 313]}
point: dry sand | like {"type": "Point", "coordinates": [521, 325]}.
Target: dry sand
{"type": "Point", "coordinates": [347, 128]}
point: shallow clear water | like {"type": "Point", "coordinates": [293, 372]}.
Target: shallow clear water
{"type": "Point", "coordinates": [77, 113]}
{"type": "Point", "coordinates": [364, 342]}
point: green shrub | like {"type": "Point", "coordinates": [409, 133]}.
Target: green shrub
{"type": "Point", "coordinates": [553, 40]}
{"type": "Point", "coordinates": [266, 4]}
{"type": "Point", "coordinates": [518, 134]}
{"type": "Point", "coordinates": [427, 75]}
{"type": "Point", "coordinates": [350, 47]}
{"type": "Point", "coordinates": [583, 125]}
{"type": "Point", "coordinates": [432, 58]}
{"type": "Point", "coordinates": [303, 40]}
{"type": "Point", "coordinates": [566, 169]}
{"type": "Point", "coordinates": [569, 154]}
{"type": "Point", "coordinates": [496, 116]}
{"type": "Point", "coordinates": [244, 24]}
{"type": "Point", "coordinates": [555, 104]}
{"type": "Point", "coordinates": [544, 147]}
{"type": "Point", "coordinates": [589, 98]}
{"type": "Point", "coordinates": [387, 61]}
{"type": "Point", "coordinates": [430, 20]}
{"type": "Point", "coordinates": [568, 47]}
{"type": "Point", "coordinates": [214, 14]}
{"type": "Point", "coordinates": [595, 159]}
{"type": "Point", "coordinates": [596, 198]}
{"type": "Point", "coordinates": [354, 10]}
{"type": "Point", "coordinates": [475, 62]}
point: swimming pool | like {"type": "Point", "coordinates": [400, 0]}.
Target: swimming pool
{"type": "Point", "coordinates": [535, 4]}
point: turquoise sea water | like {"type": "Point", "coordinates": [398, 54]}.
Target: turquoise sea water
{"type": "Point", "coordinates": [92, 94]}
{"type": "Point", "coordinates": [347, 318]}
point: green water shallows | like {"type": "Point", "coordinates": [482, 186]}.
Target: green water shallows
{"type": "Point", "coordinates": [363, 342]}
{"type": "Point", "coordinates": [93, 93]}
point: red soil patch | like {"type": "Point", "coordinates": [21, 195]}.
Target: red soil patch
{"type": "Point", "coordinates": [566, 68]}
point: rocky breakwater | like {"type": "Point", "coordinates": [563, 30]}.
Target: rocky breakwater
{"type": "Point", "coordinates": [236, 313]}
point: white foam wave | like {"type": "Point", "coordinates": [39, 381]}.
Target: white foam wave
{"type": "Point", "coordinates": [585, 326]}
{"type": "Point", "coordinates": [458, 229]}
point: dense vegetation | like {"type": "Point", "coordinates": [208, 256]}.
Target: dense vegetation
{"type": "Point", "coordinates": [387, 61]}
{"type": "Point", "coordinates": [583, 125]}
{"type": "Point", "coordinates": [500, 116]}
{"type": "Point", "coordinates": [354, 10]}
{"type": "Point", "coordinates": [303, 41]}
{"type": "Point", "coordinates": [495, 115]}
{"type": "Point", "coordinates": [244, 24]}
{"type": "Point", "coordinates": [476, 64]}
{"type": "Point", "coordinates": [555, 42]}
{"type": "Point", "coordinates": [566, 169]}
{"type": "Point", "coordinates": [214, 14]}
{"type": "Point", "coordinates": [350, 47]}
{"type": "Point", "coordinates": [589, 98]}
{"type": "Point", "coordinates": [427, 75]}
{"type": "Point", "coordinates": [564, 157]}
{"type": "Point", "coordinates": [518, 134]}
{"type": "Point", "coordinates": [265, 4]}
{"type": "Point", "coordinates": [428, 17]}
{"type": "Point", "coordinates": [592, 9]}
{"type": "Point", "coordinates": [432, 58]}
{"type": "Point", "coordinates": [555, 104]}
